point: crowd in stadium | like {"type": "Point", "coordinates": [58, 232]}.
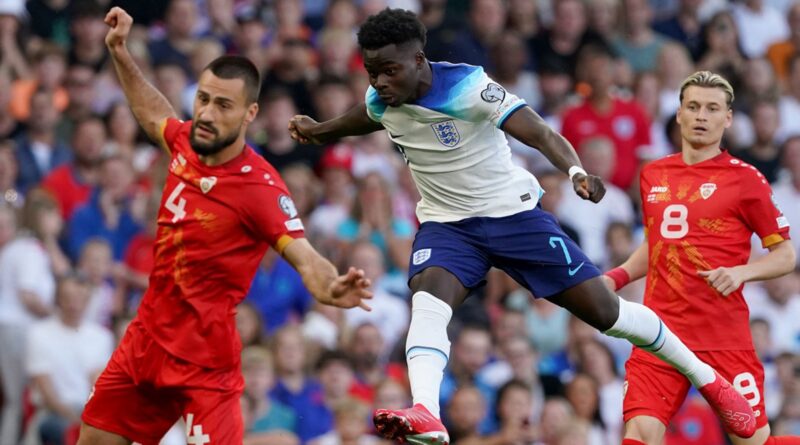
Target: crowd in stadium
{"type": "Point", "coordinates": [81, 188]}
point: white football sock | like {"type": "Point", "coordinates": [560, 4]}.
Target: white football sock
{"type": "Point", "coordinates": [641, 326]}
{"type": "Point", "coordinates": [427, 348]}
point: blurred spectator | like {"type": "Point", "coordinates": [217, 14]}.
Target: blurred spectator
{"type": "Point", "coordinates": [111, 212]}
{"type": "Point", "coordinates": [781, 309]}
{"type": "Point", "coordinates": [598, 362]}
{"type": "Point", "coordinates": [684, 26]}
{"type": "Point", "coordinates": [589, 219]}
{"type": "Point", "coordinates": [367, 350]}
{"type": "Point", "coordinates": [513, 408]}
{"type": "Point", "coordinates": [64, 356]}
{"type": "Point", "coordinates": [764, 154]}
{"type": "Point", "coordinates": [249, 325]}
{"type": "Point", "coordinates": [126, 140]}
{"type": "Point", "coordinates": [251, 39]}
{"type": "Point", "coordinates": [8, 175]}
{"type": "Point", "coordinates": [603, 114]}
{"type": "Point", "coordinates": [338, 51]}
{"type": "Point", "coordinates": [294, 388]}
{"type": "Point", "coordinates": [519, 363]}
{"type": "Point", "coordinates": [335, 372]}
{"type": "Point", "coordinates": [52, 19]}
{"type": "Point", "coordinates": [38, 149]}
{"type": "Point", "coordinates": [134, 274]}
{"type": "Point", "coordinates": [604, 18]}
{"type": "Point", "coordinates": [695, 423]}
{"type": "Point", "coordinates": [523, 18]}
{"type": "Point", "coordinates": [760, 25]}
{"type": "Point", "coordinates": [277, 146]}
{"type": "Point", "coordinates": [674, 65]}
{"type": "Point", "coordinates": [342, 14]}
{"type": "Point", "coordinates": [204, 52]}
{"type": "Point", "coordinates": [9, 126]}
{"type": "Point", "coordinates": [305, 189]}
{"type": "Point", "coordinates": [80, 85]}
{"type": "Point", "coordinates": [390, 314]}
{"type": "Point", "coordinates": [469, 354]}
{"type": "Point", "coordinates": [585, 400]}
{"type": "Point", "coordinates": [787, 191]}
{"type": "Point", "coordinates": [332, 98]}
{"type": "Point", "coordinates": [95, 265]}
{"type": "Point", "coordinates": [71, 183]}
{"type": "Point", "coordinates": [758, 84]}
{"type": "Point", "coordinates": [375, 152]}
{"type": "Point", "coordinates": [12, 55]}
{"type": "Point", "coordinates": [221, 17]}
{"type": "Point", "coordinates": [272, 423]}
{"type": "Point", "coordinates": [278, 293]}
{"type": "Point", "coordinates": [780, 53]}
{"type": "Point", "coordinates": [49, 67]}
{"type": "Point", "coordinates": [176, 46]}
{"type": "Point", "coordinates": [646, 91]}
{"type": "Point", "coordinates": [372, 219]}
{"type": "Point", "coordinates": [323, 325]}
{"type": "Point", "coordinates": [560, 44]}
{"type": "Point", "coordinates": [555, 83]}
{"type": "Point", "coordinates": [465, 413]}
{"type": "Point", "coordinates": [43, 221]}
{"type": "Point", "coordinates": [293, 71]}
{"type": "Point", "coordinates": [638, 44]}
{"type": "Point", "coordinates": [789, 104]}
{"type": "Point", "coordinates": [557, 415]}
{"type": "Point", "coordinates": [391, 394]}
{"type": "Point", "coordinates": [551, 181]}
{"type": "Point", "coordinates": [289, 21]}
{"type": "Point", "coordinates": [485, 22]}
{"type": "Point", "coordinates": [88, 33]}
{"type": "Point", "coordinates": [350, 426]}
{"type": "Point", "coordinates": [171, 80]}
{"type": "Point", "coordinates": [406, 196]}
{"type": "Point", "coordinates": [509, 55]}
{"type": "Point", "coordinates": [720, 51]}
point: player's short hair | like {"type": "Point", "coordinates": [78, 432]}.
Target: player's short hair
{"type": "Point", "coordinates": [238, 67]}
{"type": "Point", "coordinates": [391, 26]}
{"type": "Point", "coordinates": [707, 79]}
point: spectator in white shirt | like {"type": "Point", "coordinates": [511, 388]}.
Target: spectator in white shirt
{"type": "Point", "coordinates": [781, 308]}
{"type": "Point", "coordinates": [787, 190]}
{"type": "Point", "coordinates": [64, 355]}
{"type": "Point", "coordinates": [759, 26]}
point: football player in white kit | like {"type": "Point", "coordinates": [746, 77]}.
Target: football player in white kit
{"type": "Point", "coordinates": [479, 210]}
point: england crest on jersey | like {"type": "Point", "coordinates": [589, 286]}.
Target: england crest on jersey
{"type": "Point", "coordinates": [447, 133]}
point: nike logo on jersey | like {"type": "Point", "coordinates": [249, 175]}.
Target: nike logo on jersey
{"type": "Point", "coordinates": [572, 271]}
{"type": "Point", "coordinates": [396, 136]}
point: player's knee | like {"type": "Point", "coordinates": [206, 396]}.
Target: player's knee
{"type": "Point", "coordinates": [645, 429]}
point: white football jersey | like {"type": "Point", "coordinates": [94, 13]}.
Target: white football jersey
{"type": "Point", "coordinates": [452, 142]}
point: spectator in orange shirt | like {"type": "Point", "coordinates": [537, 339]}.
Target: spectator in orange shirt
{"type": "Point", "coordinates": [779, 54]}
{"type": "Point", "coordinates": [50, 66]}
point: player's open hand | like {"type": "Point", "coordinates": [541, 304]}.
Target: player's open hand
{"type": "Point", "coordinates": [589, 187]}
{"type": "Point", "coordinates": [724, 279]}
{"type": "Point", "coordinates": [350, 290]}
{"type": "Point", "coordinates": [300, 128]}
{"type": "Point", "coordinates": [120, 23]}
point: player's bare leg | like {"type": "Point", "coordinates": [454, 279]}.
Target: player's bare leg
{"type": "Point", "coordinates": [594, 303]}
{"type": "Point", "coordinates": [92, 436]}
{"type": "Point", "coordinates": [436, 292]}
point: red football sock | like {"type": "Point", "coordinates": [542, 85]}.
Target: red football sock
{"type": "Point", "coordinates": [781, 440]}
{"type": "Point", "coordinates": [627, 441]}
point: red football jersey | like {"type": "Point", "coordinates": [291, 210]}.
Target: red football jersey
{"type": "Point", "coordinates": [698, 218]}
{"type": "Point", "coordinates": [214, 226]}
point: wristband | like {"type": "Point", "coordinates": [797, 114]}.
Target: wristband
{"type": "Point", "coordinates": [574, 170]}
{"type": "Point", "coordinates": [619, 276]}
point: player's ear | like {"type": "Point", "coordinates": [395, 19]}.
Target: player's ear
{"type": "Point", "coordinates": [252, 112]}
{"type": "Point", "coordinates": [729, 118]}
{"type": "Point", "coordinates": [420, 59]}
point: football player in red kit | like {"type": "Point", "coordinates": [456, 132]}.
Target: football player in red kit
{"type": "Point", "coordinates": [700, 208]}
{"type": "Point", "coordinates": [223, 206]}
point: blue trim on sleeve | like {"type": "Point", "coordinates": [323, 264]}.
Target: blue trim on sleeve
{"type": "Point", "coordinates": [508, 114]}
{"type": "Point", "coordinates": [420, 349]}
{"type": "Point", "coordinates": [451, 83]}
{"type": "Point", "coordinates": [375, 106]}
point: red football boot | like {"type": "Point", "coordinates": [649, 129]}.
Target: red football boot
{"type": "Point", "coordinates": [730, 406]}
{"type": "Point", "coordinates": [415, 425]}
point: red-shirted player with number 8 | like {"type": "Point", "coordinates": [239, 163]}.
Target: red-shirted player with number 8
{"type": "Point", "coordinates": [701, 207]}
{"type": "Point", "coordinates": [222, 207]}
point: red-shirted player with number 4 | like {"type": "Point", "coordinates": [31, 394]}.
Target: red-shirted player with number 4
{"type": "Point", "coordinates": [222, 207]}
{"type": "Point", "coordinates": [701, 207]}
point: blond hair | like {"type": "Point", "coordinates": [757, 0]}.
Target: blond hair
{"type": "Point", "coordinates": [707, 79]}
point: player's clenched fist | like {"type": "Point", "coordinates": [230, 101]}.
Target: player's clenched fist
{"type": "Point", "coordinates": [724, 279]}
{"type": "Point", "coordinates": [349, 290]}
{"type": "Point", "coordinates": [120, 23]}
{"type": "Point", "coordinates": [300, 127]}
{"type": "Point", "coordinates": [589, 187]}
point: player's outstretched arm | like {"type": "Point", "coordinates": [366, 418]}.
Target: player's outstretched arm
{"type": "Point", "coordinates": [322, 280]}
{"type": "Point", "coordinates": [353, 123]}
{"type": "Point", "coordinates": [780, 260]}
{"type": "Point", "coordinates": [149, 106]}
{"type": "Point", "coordinates": [632, 269]}
{"type": "Point", "coordinates": [527, 126]}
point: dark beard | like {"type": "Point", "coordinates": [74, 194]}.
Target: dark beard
{"type": "Point", "coordinates": [212, 147]}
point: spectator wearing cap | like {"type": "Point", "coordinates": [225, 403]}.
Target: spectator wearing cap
{"type": "Point", "coordinates": [64, 356]}
{"type": "Point", "coordinates": [334, 168]}
{"type": "Point", "coordinates": [71, 183]}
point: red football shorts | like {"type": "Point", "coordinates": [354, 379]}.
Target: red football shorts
{"type": "Point", "coordinates": [653, 388]}
{"type": "Point", "coordinates": [144, 390]}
